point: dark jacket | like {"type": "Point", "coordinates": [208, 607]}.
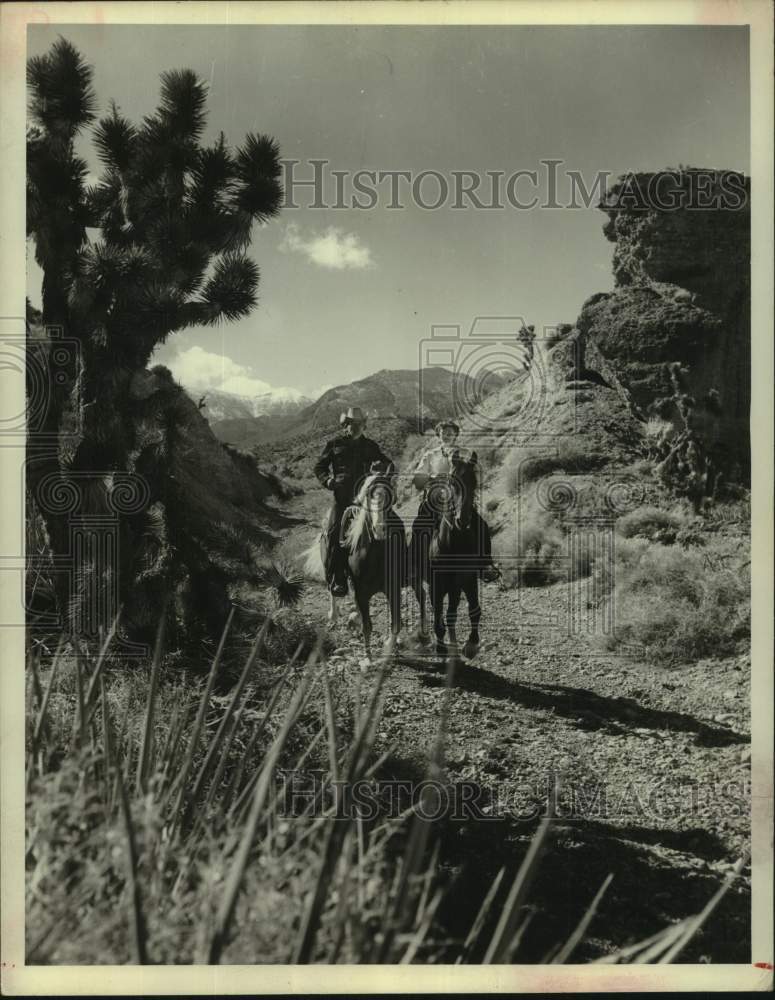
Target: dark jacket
{"type": "Point", "coordinates": [347, 461]}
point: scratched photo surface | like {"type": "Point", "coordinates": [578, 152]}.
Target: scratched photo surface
{"type": "Point", "coordinates": [388, 466]}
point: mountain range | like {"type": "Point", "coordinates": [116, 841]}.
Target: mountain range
{"type": "Point", "coordinates": [397, 403]}
{"type": "Point", "coordinates": [230, 406]}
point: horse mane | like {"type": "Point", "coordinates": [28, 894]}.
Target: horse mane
{"type": "Point", "coordinates": [356, 525]}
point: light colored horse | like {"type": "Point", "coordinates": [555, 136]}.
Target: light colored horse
{"type": "Point", "coordinates": [374, 539]}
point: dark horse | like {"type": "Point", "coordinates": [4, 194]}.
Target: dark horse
{"type": "Point", "coordinates": [447, 557]}
{"type": "Point", "coordinates": [375, 542]}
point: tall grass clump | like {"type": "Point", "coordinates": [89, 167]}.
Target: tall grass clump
{"type": "Point", "coordinates": [679, 604]}
{"type": "Point", "coordinates": [547, 553]}
{"type": "Point", "coordinates": [161, 830]}
{"type": "Point", "coordinates": [523, 466]}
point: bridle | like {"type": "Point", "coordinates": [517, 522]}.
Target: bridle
{"type": "Point", "coordinates": [453, 489]}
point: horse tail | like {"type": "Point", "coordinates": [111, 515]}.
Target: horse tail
{"type": "Point", "coordinates": [312, 561]}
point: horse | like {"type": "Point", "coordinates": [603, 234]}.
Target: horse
{"type": "Point", "coordinates": [445, 559]}
{"type": "Point", "coordinates": [375, 542]}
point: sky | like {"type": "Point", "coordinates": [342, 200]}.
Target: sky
{"type": "Point", "coordinates": [346, 291]}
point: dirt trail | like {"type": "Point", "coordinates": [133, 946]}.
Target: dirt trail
{"type": "Point", "coordinates": [653, 764]}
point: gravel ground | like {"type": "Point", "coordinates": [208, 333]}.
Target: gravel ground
{"type": "Point", "coordinates": [653, 765]}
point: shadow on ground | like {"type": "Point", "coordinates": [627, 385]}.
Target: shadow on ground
{"type": "Point", "coordinates": [581, 707]}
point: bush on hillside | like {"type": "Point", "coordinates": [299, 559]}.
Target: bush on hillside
{"type": "Point", "coordinates": [523, 465]}
{"type": "Point", "coordinates": [651, 523]}
{"type": "Point", "coordinates": [544, 552]}
{"type": "Point", "coordinates": [678, 604]}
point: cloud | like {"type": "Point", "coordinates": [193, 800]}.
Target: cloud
{"type": "Point", "coordinates": [334, 248]}
{"type": "Point", "coordinates": [199, 370]}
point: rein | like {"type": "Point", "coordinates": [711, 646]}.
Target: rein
{"type": "Point", "coordinates": [447, 515]}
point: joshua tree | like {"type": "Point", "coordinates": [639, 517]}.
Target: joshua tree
{"type": "Point", "coordinates": [156, 245]}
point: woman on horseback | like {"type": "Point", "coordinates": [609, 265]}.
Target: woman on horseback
{"type": "Point", "coordinates": [436, 465]}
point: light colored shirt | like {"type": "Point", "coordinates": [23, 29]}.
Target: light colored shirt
{"type": "Point", "coordinates": [437, 461]}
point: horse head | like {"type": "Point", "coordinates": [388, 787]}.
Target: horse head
{"type": "Point", "coordinates": [452, 497]}
{"type": "Point", "coordinates": [464, 477]}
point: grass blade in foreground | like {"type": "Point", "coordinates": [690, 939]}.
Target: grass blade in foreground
{"type": "Point", "coordinates": [695, 923]}
{"type": "Point", "coordinates": [217, 740]}
{"type": "Point", "coordinates": [502, 941]}
{"type": "Point", "coordinates": [338, 827]}
{"type": "Point", "coordinates": [182, 780]}
{"type": "Point", "coordinates": [143, 760]}
{"type": "Point", "coordinates": [139, 925]}
{"type": "Point", "coordinates": [481, 916]}
{"type": "Point", "coordinates": [571, 944]}
{"type": "Point", "coordinates": [234, 880]}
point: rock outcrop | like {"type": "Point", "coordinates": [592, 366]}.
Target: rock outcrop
{"type": "Point", "coordinates": [681, 304]}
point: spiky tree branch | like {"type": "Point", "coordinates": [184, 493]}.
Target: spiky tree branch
{"type": "Point", "coordinates": [173, 217]}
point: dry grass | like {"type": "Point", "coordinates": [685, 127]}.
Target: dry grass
{"type": "Point", "coordinates": [523, 466]}
{"type": "Point", "coordinates": [544, 552]}
{"type": "Point", "coordinates": [156, 831]}
{"type": "Point", "coordinates": [652, 523]}
{"type": "Point", "coordinates": [680, 604]}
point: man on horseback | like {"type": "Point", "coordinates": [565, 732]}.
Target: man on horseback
{"type": "Point", "coordinates": [342, 468]}
{"type": "Point", "coordinates": [436, 464]}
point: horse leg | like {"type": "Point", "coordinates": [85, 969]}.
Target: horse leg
{"type": "Point", "coordinates": [362, 600]}
{"type": "Point", "coordinates": [415, 566]}
{"type": "Point", "coordinates": [452, 606]}
{"type": "Point", "coordinates": [333, 609]}
{"type": "Point", "coordinates": [421, 633]}
{"type": "Point", "coordinates": [394, 599]}
{"type": "Point", "coordinates": [471, 647]}
{"type": "Point", "coordinates": [437, 599]}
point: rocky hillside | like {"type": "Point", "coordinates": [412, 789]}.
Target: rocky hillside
{"type": "Point", "coordinates": [682, 298]}
{"type": "Point", "coordinates": [639, 407]}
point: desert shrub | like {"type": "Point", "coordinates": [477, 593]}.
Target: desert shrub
{"type": "Point", "coordinates": [657, 428]}
{"type": "Point", "coordinates": [545, 552]}
{"type": "Point", "coordinates": [643, 467]}
{"type": "Point", "coordinates": [691, 534]}
{"type": "Point", "coordinates": [492, 504]}
{"type": "Point", "coordinates": [678, 604]}
{"type": "Point", "coordinates": [523, 466]}
{"type": "Point", "coordinates": [650, 522]}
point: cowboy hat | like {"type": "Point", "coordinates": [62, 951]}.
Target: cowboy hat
{"type": "Point", "coordinates": [353, 414]}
